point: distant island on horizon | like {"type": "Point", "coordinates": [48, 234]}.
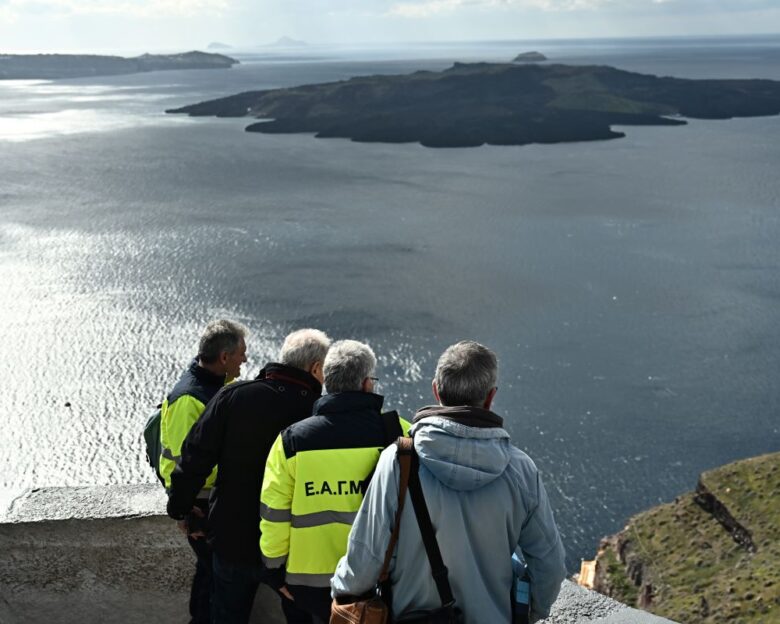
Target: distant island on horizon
{"type": "Point", "coordinates": [472, 104]}
{"type": "Point", "coordinates": [530, 57]}
{"type": "Point", "coordinates": [287, 42]}
{"type": "Point", "coordinates": [57, 66]}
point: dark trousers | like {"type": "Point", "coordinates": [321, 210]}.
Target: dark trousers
{"type": "Point", "coordinates": [200, 594]}
{"type": "Point", "coordinates": [235, 586]}
{"type": "Point", "coordinates": [313, 600]}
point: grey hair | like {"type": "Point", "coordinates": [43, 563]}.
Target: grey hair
{"type": "Point", "coordinates": [466, 373]}
{"type": "Point", "coordinates": [347, 365]}
{"type": "Point", "coordinates": [304, 347]}
{"type": "Point", "coordinates": [221, 335]}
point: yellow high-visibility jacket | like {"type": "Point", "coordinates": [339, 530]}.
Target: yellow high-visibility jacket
{"type": "Point", "coordinates": [315, 478]}
{"type": "Point", "coordinates": [180, 411]}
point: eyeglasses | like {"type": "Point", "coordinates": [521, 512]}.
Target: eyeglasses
{"type": "Point", "coordinates": [376, 382]}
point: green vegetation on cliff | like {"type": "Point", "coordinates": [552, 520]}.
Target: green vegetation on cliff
{"type": "Point", "coordinates": [499, 104]}
{"type": "Point", "coordinates": [712, 555]}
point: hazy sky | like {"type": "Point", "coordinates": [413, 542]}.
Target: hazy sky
{"type": "Point", "coordinates": [99, 25]}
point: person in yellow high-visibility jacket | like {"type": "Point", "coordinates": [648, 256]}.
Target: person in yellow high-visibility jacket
{"type": "Point", "coordinates": [221, 352]}
{"type": "Point", "coordinates": [316, 476]}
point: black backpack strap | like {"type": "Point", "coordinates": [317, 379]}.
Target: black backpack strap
{"type": "Point", "coordinates": [429, 535]}
{"type": "Point", "coordinates": [392, 425]}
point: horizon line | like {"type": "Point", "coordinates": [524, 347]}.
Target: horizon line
{"type": "Point", "coordinates": [239, 48]}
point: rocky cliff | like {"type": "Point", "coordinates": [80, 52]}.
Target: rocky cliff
{"type": "Point", "coordinates": [713, 555]}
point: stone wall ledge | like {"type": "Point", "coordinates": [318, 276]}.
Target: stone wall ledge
{"type": "Point", "coordinates": [109, 554]}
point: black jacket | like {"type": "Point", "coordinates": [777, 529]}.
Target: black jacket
{"type": "Point", "coordinates": [236, 432]}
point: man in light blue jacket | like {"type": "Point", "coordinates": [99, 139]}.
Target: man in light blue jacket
{"type": "Point", "coordinates": [486, 501]}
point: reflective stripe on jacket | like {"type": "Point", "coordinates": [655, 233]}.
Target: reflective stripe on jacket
{"type": "Point", "coordinates": [315, 479]}
{"type": "Point", "coordinates": [180, 411]}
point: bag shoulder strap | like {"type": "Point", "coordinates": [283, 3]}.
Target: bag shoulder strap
{"type": "Point", "coordinates": [404, 455]}
{"type": "Point", "coordinates": [440, 575]}
{"type": "Point", "coordinates": [392, 426]}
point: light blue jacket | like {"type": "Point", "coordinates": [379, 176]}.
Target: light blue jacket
{"type": "Point", "coordinates": [485, 498]}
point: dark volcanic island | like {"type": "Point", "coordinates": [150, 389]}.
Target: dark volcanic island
{"type": "Point", "coordinates": [499, 104]}
{"type": "Point", "coordinates": [59, 66]}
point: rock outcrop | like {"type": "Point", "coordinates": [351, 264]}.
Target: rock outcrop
{"type": "Point", "coordinates": [529, 57]}
{"type": "Point", "coordinates": [709, 502]}
{"type": "Point", "coordinates": [712, 555]}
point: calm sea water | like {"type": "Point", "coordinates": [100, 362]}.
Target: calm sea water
{"type": "Point", "coordinates": [630, 288]}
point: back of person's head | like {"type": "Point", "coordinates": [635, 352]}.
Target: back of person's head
{"type": "Point", "coordinates": [465, 374]}
{"type": "Point", "coordinates": [218, 337]}
{"type": "Point", "coordinates": [304, 347]}
{"type": "Point", "coordinates": [347, 366]}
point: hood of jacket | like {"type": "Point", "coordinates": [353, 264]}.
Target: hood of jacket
{"type": "Point", "coordinates": [464, 447]}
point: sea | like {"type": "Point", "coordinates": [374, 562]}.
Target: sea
{"type": "Point", "coordinates": [630, 288]}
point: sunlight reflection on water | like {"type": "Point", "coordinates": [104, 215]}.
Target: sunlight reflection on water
{"type": "Point", "coordinates": [28, 126]}
{"type": "Point", "coordinates": [629, 287]}
{"type": "Point", "coordinates": [80, 307]}
{"type": "Point", "coordinates": [36, 109]}
{"type": "Point", "coordinates": [69, 331]}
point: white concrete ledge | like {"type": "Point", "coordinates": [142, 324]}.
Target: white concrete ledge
{"type": "Point", "coordinates": [109, 554]}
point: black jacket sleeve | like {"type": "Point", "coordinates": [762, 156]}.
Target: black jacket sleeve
{"type": "Point", "coordinates": [199, 454]}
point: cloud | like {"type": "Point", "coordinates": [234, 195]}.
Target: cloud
{"type": "Point", "coordinates": [10, 10]}
{"type": "Point", "coordinates": [424, 9]}
{"type": "Point", "coordinates": [430, 8]}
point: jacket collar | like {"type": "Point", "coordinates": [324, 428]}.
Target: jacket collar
{"type": "Point", "coordinates": [205, 376]}
{"type": "Point", "coordinates": [463, 414]}
{"type": "Point", "coordinates": [282, 372]}
{"type": "Point", "coordinates": [353, 401]}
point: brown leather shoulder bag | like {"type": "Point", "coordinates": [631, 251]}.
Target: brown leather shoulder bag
{"type": "Point", "coordinates": [371, 608]}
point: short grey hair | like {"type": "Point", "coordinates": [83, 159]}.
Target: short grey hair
{"type": "Point", "coordinates": [304, 347]}
{"type": "Point", "coordinates": [347, 365]}
{"type": "Point", "coordinates": [466, 373]}
{"type": "Point", "coordinates": [220, 336]}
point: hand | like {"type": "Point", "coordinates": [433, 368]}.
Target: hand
{"type": "Point", "coordinates": [184, 525]}
{"type": "Point", "coordinates": [286, 593]}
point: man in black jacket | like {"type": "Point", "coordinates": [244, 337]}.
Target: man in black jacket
{"type": "Point", "coordinates": [236, 432]}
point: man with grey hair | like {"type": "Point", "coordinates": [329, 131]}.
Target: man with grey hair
{"type": "Point", "coordinates": [221, 352]}
{"type": "Point", "coordinates": [236, 432]}
{"type": "Point", "coordinates": [316, 475]}
{"type": "Point", "coordinates": [485, 497]}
